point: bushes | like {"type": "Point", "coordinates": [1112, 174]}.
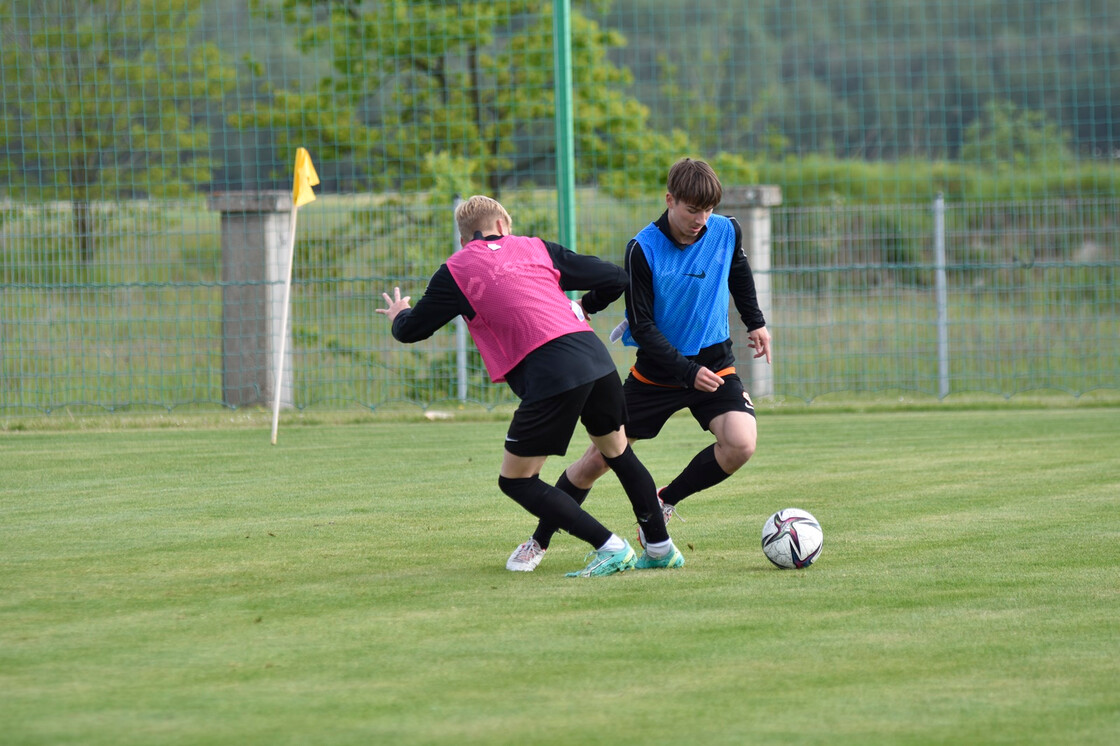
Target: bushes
{"type": "Point", "coordinates": [820, 180]}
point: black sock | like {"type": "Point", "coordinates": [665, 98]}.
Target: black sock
{"type": "Point", "coordinates": [700, 474]}
{"type": "Point", "coordinates": [545, 530]}
{"type": "Point", "coordinates": [550, 504]}
{"type": "Point", "coordinates": [642, 491]}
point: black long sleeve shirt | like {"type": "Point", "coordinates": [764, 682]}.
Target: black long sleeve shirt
{"type": "Point", "coordinates": [657, 359]}
{"type": "Point", "coordinates": [555, 367]}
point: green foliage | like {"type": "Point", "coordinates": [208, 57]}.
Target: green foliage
{"type": "Point", "coordinates": [99, 103]}
{"type": "Point", "coordinates": [442, 96]}
{"type": "Point", "coordinates": [815, 180]}
{"type": "Point", "coordinates": [1006, 136]}
{"type": "Point", "coordinates": [867, 79]}
{"type": "Point", "coordinates": [434, 380]}
{"type": "Point", "coordinates": [38, 246]}
{"type": "Point", "coordinates": [451, 177]}
{"type": "Point", "coordinates": [416, 95]}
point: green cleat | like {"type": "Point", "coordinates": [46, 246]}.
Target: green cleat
{"type": "Point", "coordinates": [672, 559]}
{"type": "Point", "coordinates": [607, 563]}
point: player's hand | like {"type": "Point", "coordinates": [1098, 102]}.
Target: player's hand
{"type": "Point", "coordinates": [706, 380]}
{"type": "Point", "coordinates": [760, 343]}
{"type": "Point", "coordinates": [396, 304]}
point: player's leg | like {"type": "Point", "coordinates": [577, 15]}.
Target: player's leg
{"type": "Point", "coordinates": [660, 552]}
{"type": "Point", "coordinates": [648, 408]}
{"type": "Point", "coordinates": [529, 553]}
{"type": "Point", "coordinates": [603, 417]}
{"type": "Point", "coordinates": [736, 438]}
{"type": "Point", "coordinates": [728, 414]}
{"type": "Point", "coordinates": [576, 481]}
{"type": "Point", "coordinates": [544, 428]}
{"type": "Point", "coordinates": [520, 480]}
{"type": "Point", "coordinates": [582, 473]}
{"type": "Point", "coordinates": [636, 481]}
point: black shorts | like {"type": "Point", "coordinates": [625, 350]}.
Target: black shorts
{"type": "Point", "coordinates": [650, 406]}
{"type": "Point", "coordinates": [545, 427]}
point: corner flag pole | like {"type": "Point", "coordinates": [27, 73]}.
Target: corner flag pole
{"type": "Point", "coordinates": [305, 178]}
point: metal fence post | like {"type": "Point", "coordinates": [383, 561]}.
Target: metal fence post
{"type": "Point", "coordinates": [751, 204]}
{"type": "Point", "coordinates": [942, 296]}
{"type": "Point", "coordinates": [255, 246]}
{"type": "Point", "coordinates": [460, 322]}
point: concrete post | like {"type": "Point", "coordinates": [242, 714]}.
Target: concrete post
{"type": "Point", "coordinates": [751, 205]}
{"type": "Point", "coordinates": [255, 246]}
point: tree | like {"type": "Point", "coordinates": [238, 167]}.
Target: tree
{"type": "Point", "coordinates": [1008, 135]}
{"type": "Point", "coordinates": [467, 82]}
{"type": "Point", "coordinates": [100, 100]}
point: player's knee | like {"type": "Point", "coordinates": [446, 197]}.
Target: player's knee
{"type": "Point", "coordinates": [746, 451]}
{"type": "Point", "coordinates": [735, 455]}
{"type": "Point", "coordinates": [511, 487]}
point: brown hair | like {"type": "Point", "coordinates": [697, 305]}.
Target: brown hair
{"type": "Point", "coordinates": [478, 214]}
{"type": "Point", "coordinates": [694, 183]}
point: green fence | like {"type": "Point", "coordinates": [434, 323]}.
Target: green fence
{"type": "Point", "coordinates": [1030, 303]}
{"type": "Point", "coordinates": [122, 121]}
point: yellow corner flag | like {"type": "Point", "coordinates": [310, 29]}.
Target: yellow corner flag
{"type": "Point", "coordinates": [305, 179]}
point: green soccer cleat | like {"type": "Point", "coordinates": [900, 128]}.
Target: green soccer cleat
{"type": "Point", "coordinates": [672, 559]}
{"type": "Point", "coordinates": [607, 563]}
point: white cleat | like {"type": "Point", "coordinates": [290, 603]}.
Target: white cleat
{"type": "Point", "coordinates": [526, 557]}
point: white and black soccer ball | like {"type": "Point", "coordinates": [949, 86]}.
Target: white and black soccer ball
{"type": "Point", "coordinates": [792, 538]}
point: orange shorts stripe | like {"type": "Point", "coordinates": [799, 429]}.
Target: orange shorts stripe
{"type": "Point", "coordinates": [643, 379]}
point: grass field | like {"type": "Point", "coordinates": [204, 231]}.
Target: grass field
{"type": "Point", "coordinates": [196, 585]}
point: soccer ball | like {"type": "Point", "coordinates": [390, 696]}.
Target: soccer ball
{"type": "Point", "coordinates": [792, 538]}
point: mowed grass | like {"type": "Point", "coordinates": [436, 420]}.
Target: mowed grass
{"type": "Point", "coordinates": [347, 586]}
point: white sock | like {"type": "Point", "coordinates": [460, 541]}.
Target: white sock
{"type": "Point", "coordinates": [660, 549]}
{"type": "Point", "coordinates": [612, 544]}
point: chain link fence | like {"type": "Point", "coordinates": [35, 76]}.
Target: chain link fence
{"type": "Point", "coordinates": [1030, 302]}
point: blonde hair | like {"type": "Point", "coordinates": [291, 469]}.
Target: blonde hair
{"type": "Point", "coordinates": [479, 213]}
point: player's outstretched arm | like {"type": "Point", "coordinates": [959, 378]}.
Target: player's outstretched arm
{"type": "Point", "coordinates": [396, 304]}
{"type": "Point", "coordinates": [441, 303]}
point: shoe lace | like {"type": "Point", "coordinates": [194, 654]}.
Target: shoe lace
{"type": "Point", "coordinates": [590, 559]}
{"type": "Point", "coordinates": [667, 512]}
{"type": "Point", "coordinates": [528, 550]}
